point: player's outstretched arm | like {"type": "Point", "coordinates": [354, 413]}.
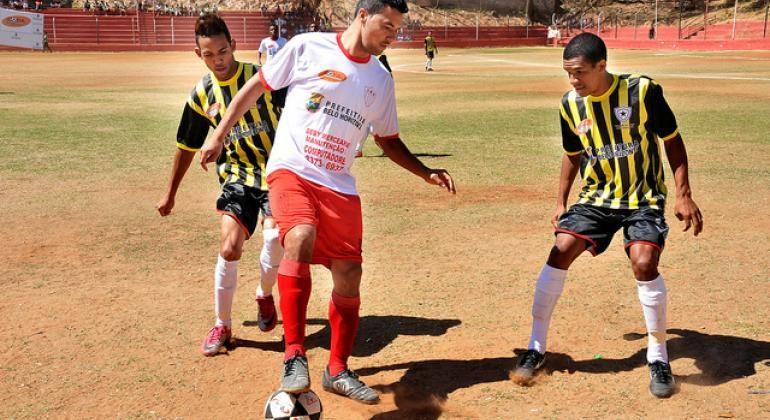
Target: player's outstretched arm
{"type": "Point", "coordinates": [685, 208]}
{"type": "Point", "coordinates": [182, 161]}
{"type": "Point", "coordinates": [241, 103]}
{"type": "Point", "coordinates": [397, 151]}
{"type": "Point", "coordinates": [569, 169]}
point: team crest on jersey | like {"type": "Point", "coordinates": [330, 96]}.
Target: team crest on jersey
{"type": "Point", "coordinates": [314, 102]}
{"type": "Point", "coordinates": [369, 96]}
{"type": "Point", "coordinates": [334, 76]}
{"type": "Point", "coordinates": [213, 110]}
{"type": "Point", "coordinates": [585, 126]}
{"type": "Point", "coordinates": [623, 113]}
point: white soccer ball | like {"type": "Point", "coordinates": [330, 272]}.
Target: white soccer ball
{"type": "Point", "coordinates": [285, 406]}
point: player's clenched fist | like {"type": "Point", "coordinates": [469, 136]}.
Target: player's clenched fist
{"type": "Point", "coordinates": [210, 152]}
{"type": "Point", "coordinates": [165, 205]}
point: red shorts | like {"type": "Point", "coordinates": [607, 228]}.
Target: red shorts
{"type": "Point", "coordinates": [336, 216]}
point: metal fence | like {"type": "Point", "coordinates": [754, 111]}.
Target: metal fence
{"type": "Point", "coordinates": [675, 20]}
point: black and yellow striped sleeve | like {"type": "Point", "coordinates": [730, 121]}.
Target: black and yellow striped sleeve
{"type": "Point", "coordinates": [662, 119]}
{"type": "Point", "coordinates": [193, 129]}
{"type": "Point", "coordinates": [569, 138]}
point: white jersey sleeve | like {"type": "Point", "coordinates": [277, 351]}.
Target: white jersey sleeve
{"type": "Point", "coordinates": [280, 71]}
{"type": "Point", "coordinates": [262, 47]}
{"type": "Point", "coordinates": [386, 126]}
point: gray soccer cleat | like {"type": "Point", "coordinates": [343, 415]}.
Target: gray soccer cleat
{"type": "Point", "coordinates": [662, 382]}
{"type": "Point", "coordinates": [347, 384]}
{"type": "Point", "coordinates": [296, 378]}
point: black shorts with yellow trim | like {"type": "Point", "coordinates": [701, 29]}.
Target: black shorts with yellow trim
{"type": "Point", "coordinates": [430, 55]}
{"type": "Point", "coordinates": [597, 225]}
{"type": "Point", "coordinates": [243, 203]}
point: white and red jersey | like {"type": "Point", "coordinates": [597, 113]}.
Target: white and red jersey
{"type": "Point", "coordinates": [271, 46]}
{"type": "Point", "coordinates": [332, 100]}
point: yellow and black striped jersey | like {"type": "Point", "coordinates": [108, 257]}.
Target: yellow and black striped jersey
{"type": "Point", "coordinates": [430, 43]}
{"type": "Point", "coordinates": [617, 134]}
{"type": "Point", "coordinates": [247, 146]}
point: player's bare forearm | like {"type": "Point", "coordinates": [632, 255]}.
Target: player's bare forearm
{"type": "Point", "coordinates": [685, 208]}
{"type": "Point", "coordinates": [182, 161]}
{"type": "Point", "coordinates": [677, 158]}
{"type": "Point", "coordinates": [243, 100]}
{"type": "Point", "coordinates": [569, 169]}
{"type": "Point", "coordinates": [396, 150]}
{"type": "Point", "coordinates": [246, 97]}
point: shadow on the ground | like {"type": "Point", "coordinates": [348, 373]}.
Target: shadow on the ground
{"type": "Point", "coordinates": [720, 358]}
{"type": "Point", "coordinates": [425, 386]}
{"type": "Point", "coordinates": [428, 155]}
{"type": "Point", "coordinates": [374, 333]}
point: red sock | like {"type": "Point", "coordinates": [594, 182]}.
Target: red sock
{"type": "Point", "coordinates": [294, 285]}
{"type": "Point", "coordinates": [343, 319]}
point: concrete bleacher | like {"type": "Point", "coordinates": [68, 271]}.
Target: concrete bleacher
{"type": "Point", "coordinates": [75, 30]}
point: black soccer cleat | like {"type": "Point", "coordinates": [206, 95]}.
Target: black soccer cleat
{"type": "Point", "coordinates": [347, 384]}
{"type": "Point", "coordinates": [528, 364]}
{"type": "Point", "coordinates": [662, 382]}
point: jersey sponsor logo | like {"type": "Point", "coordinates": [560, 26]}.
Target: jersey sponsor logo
{"type": "Point", "coordinates": [314, 102]}
{"type": "Point", "coordinates": [612, 151]}
{"type": "Point", "coordinates": [16, 21]}
{"type": "Point", "coordinates": [334, 76]}
{"type": "Point", "coordinates": [585, 126]}
{"type": "Point", "coordinates": [369, 96]}
{"type": "Point", "coordinates": [213, 110]}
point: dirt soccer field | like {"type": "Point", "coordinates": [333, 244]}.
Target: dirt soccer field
{"type": "Point", "coordinates": [104, 303]}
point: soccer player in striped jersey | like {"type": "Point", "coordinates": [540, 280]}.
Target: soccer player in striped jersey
{"type": "Point", "coordinates": [241, 170]}
{"type": "Point", "coordinates": [611, 125]}
{"type": "Point", "coordinates": [431, 50]}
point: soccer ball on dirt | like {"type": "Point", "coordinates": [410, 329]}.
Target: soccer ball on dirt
{"type": "Point", "coordinates": [285, 406]}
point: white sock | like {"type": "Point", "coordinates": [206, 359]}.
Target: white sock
{"type": "Point", "coordinates": [225, 281]}
{"type": "Point", "coordinates": [652, 295]}
{"type": "Point", "coordinates": [269, 260]}
{"type": "Point", "coordinates": [549, 286]}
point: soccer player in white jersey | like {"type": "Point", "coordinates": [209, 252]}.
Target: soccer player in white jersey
{"type": "Point", "coordinates": [337, 89]}
{"type": "Point", "coordinates": [270, 45]}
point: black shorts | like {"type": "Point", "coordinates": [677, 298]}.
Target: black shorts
{"type": "Point", "coordinates": [244, 204]}
{"type": "Point", "coordinates": [430, 55]}
{"type": "Point", "coordinates": [597, 226]}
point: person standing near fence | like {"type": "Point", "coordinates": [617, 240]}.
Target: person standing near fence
{"type": "Point", "coordinates": [431, 50]}
{"type": "Point", "coordinates": [270, 45]}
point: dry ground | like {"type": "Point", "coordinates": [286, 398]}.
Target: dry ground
{"type": "Point", "coordinates": [104, 303]}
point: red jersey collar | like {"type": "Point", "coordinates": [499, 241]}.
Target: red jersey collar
{"type": "Point", "coordinates": [347, 54]}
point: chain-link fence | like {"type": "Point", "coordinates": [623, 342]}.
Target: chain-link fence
{"type": "Point", "coordinates": [674, 20]}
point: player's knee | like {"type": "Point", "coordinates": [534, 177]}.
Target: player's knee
{"type": "Point", "coordinates": [272, 251]}
{"type": "Point", "coordinates": [347, 277]}
{"type": "Point", "coordinates": [230, 250]}
{"type": "Point", "coordinates": [560, 256]}
{"type": "Point", "coordinates": [645, 267]}
{"type": "Point", "coordinates": [299, 241]}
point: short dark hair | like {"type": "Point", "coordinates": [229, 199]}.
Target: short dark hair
{"type": "Point", "coordinates": [210, 24]}
{"type": "Point", "coordinates": [374, 6]}
{"type": "Point", "coordinates": [588, 46]}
